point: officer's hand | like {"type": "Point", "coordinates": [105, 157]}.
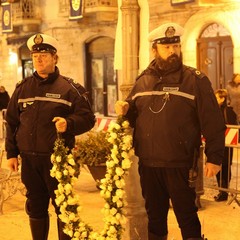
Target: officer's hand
{"type": "Point", "coordinates": [211, 169]}
{"type": "Point", "coordinates": [61, 124]}
{"type": "Point", "coordinates": [121, 107]}
{"type": "Point", "coordinates": [12, 164]}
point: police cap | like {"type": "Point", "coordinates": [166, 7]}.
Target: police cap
{"type": "Point", "coordinates": [166, 34]}
{"type": "Point", "coordinates": [42, 43]}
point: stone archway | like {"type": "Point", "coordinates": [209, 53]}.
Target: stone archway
{"type": "Point", "coordinates": [215, 54]}
{"type": "Point", "coordinates": [228, 18]}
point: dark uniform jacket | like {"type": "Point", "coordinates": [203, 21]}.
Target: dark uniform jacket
{"type": "Point", "coordinates": [4, 99]}
{"type": "Point", "coordinates": [169, 112]}
{"type": "Point", "coordinates": [34, 104]}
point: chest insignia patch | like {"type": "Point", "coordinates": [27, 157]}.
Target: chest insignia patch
{"type": "Point", "coordinates": [53, 95]}
{"type": "Point", "coordinates": [170, 89]}
{"type": "Point", "coordinates": [25, 104]}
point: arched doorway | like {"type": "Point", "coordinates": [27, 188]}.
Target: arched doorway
{"type": "Point", "coordinates": [26, 59]}
{"type": "Point", "coordinates": [215, 55]}
{"type": "Point", "coordinates": [101, 77]}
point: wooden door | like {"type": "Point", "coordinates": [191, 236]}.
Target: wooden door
{"type": "Point", "coordinates": [215, 59]}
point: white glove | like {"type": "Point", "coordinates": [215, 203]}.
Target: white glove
{"type": "Point", "coordinates": [121, 107]}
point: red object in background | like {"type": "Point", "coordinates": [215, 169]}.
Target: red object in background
{"type": "Point", "coordinates": [102, 123]}
{"type": "Point", "coordinates": [231, 136]}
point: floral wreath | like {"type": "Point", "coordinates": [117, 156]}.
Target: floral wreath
{"type": "Point", "coordinates": [66, 170]}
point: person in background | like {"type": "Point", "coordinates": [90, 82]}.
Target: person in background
{"type": "Point", "coordinates": [169, 107]}
{"type": "Point", "coordinates": [224, 177]}
{"type": "Point", "coordinates": [42, 105]}
{"type": "Point", "coordinates": [233, 89]}
{"type": "Point", "coordinates": [4, 98]}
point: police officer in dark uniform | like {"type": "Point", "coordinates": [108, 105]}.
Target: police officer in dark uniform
{"type": "Point", "coordinates": [169, 107]}
{"type": "Point", "coordinates": [42, 105]}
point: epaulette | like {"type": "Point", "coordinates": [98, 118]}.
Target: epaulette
{"type": "Point", "coordinates": [19, 83]}
{"type": "Point", "coordinates": [196, 72]}
{"type": "Point", "coordinates": [70, 80]}
{"type": "Point", "coordinates": [141, 74]}
{"type": "Point", "coordinates": [77, 86]}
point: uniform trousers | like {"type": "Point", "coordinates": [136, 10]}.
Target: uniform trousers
{"type": "Point", "coordinates": [35, 174]}
{"type": "Point", "coordinates": [159, 185]}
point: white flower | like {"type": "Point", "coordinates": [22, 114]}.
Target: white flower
{"type": "Point", "coordinates": [113, 135]}
{"type": "Point", "coordinates": [68, 188]}
{"type": "Point", "coordinates": [72, 200]}
{"type": "Point", "coordinates": [120, 193]}
{"type": "Point", "coordinates": [52, 158]}
{"type": "Point", "coordinates": [124, 154]}
{"type": "Point", "coordinates": [60, 199]}
{"type": "Point", "coordinates": [126, 163]}
{"type": "Point", "coordinates": [112, 186]}
{"type": "Point", "coordinates": [58, 175]}
{"type": "Point", "coordinates": [115, 198]}
{"type": "Point", "coordinates": [110, 164]}
{"type": "Point", "coordinates": [120, 183]}
{"type": "Point", "coordinates": [58, 159]}
{"type": "Point", "coordinates": [71, 171]}
{"type": "Point", "coordinates": [119, 203]}
{"type": "Point", "coordinates": [52, 173]}
{"type": "Point", "coordinates": [119, 171]}
{"type": "Point", "coordinates": [71, 160]}
{"type": "Point", "coordinates": [125, 124]}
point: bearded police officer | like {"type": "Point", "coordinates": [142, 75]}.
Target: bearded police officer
{"type": "Point", "coordinates": [42, 105]}
{"type": "Point", "coordinates": [170, 106]}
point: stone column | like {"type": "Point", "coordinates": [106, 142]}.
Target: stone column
{"type": "Point", "coordinates": [136, 227]}
{"type": "Point", "coordinates": [130, 44]}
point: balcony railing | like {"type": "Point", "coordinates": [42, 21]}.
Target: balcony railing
{"type": "Point", "coordinates": [26, 15]}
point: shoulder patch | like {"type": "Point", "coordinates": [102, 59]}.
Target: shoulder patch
{"type": "Point", "coordinates": [196, 72]}
{"type": "Point", "coordinates": [141, 74]}
{"type": "Point", "coordinates": [77, 86]}
{"type": "Point", "coordinates": [19, 83]}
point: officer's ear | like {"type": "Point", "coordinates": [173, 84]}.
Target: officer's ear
{"type": "Point", "coordinates": [154, 52]}
{"type": "Point", "coordinates": [55, 56]}
{"type": "Point", "coordinates": [154, 49]}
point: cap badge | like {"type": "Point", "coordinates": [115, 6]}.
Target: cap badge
{"type": "Point", "coordinates": [170, 32]}
{"type": "Point", "coordinates": [38, 39]}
